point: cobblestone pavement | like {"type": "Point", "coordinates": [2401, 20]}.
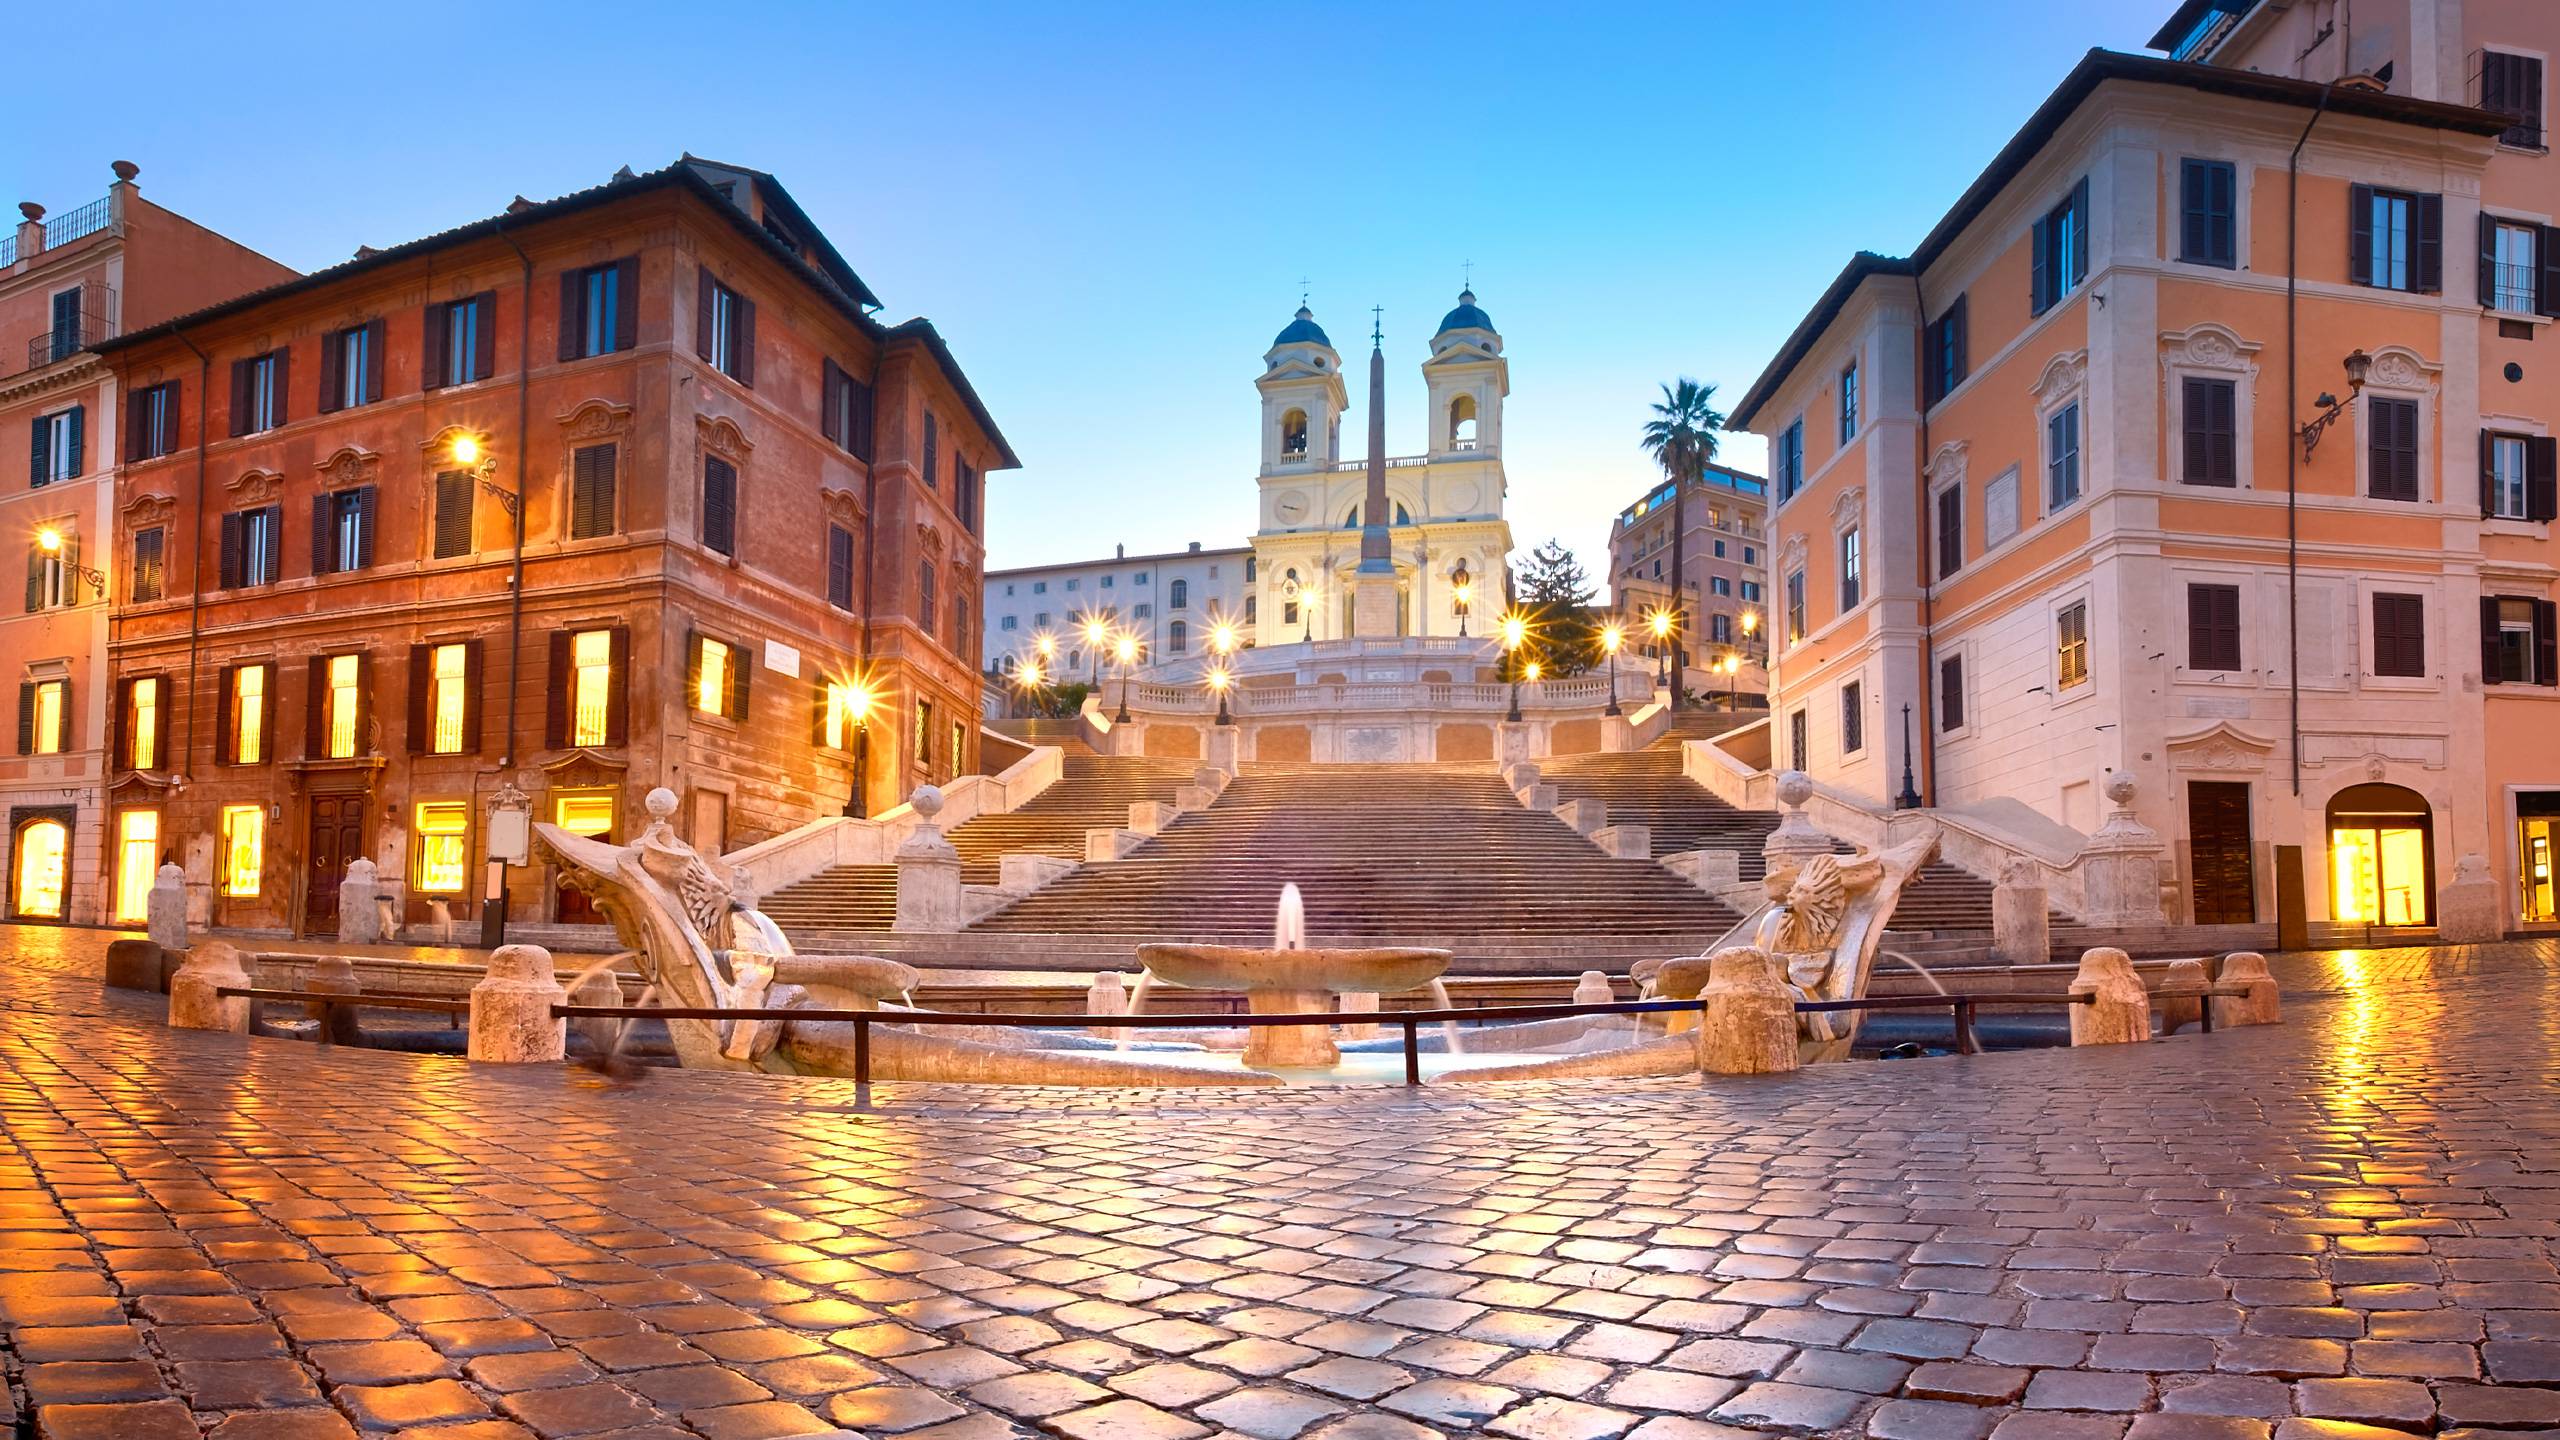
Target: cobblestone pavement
{"type": "Point", "coordinates": [2341, 1227]}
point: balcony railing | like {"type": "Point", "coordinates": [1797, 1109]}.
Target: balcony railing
{"type": "Point", "coordinates": [2511, 287]}
{"type": "Point", "coordinates": [61, 230]}
{"type": "Point", "coordinates": [66, 340]}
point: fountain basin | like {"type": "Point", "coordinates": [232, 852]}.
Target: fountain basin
{"type": "Point", "coordinates": [1293, 982]}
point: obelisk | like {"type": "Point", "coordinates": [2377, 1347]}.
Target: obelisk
{"type": "Point", "coordinates": [1374, 604]}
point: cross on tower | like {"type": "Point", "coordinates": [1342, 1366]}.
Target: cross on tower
{"type": "Point", "coordinates": [1302, 292]}
{"type": "Point", "coordinates": [1377, 332]}
{"type": "Point", "coordinates": [1467, 276]}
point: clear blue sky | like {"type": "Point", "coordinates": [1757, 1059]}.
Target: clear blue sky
{"type": "Point", "coordinates": [1107, 209]}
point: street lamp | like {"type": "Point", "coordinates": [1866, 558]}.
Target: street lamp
{"type": "Point", "coordinates": [1612, 635]}
{"type": "Point", "coordinates": [2358, 364]}
{"type": "Point", "coordinates": [1307, 611]}
{"type": "Point", "coordinates": [1515, 633]}
{"type": "Point", "coordinates": [51, 542]}
{"type": "Point", "coordinates": [1733, 681]}
{"type": "Point", "coordinates": [1223, 640]}
{"type": "Point", "coordinates": [1096, 630]}
{"type": "Point", "coordinates": [1218, 681]}
{"type": "Point", "coordinates": [857, 704]}
{"type": "Point", "coordinates": [1659, 621]}
{"type": "Point", "coordinates": [1463, 592]}
{"type": "Point", "coordinates": [1125, 650]}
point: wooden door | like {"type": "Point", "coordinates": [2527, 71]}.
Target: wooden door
{"type": "Point", "coordinates": [2218, 853]}
{"type": "Point", "coordinates": [337, 838]}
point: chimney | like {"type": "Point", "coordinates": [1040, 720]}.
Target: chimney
{"type": "Point", "coordinates": [31, 229]}
{"type": "Point", "coordinates": [1195, 547]}
{"type": "Point", "coordinates": [1119, 552]}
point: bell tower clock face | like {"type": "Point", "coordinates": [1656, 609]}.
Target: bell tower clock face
{"type": "Point", "coordinates": [1290, 507]}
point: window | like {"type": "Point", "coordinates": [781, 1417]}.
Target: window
{"type": "Point", "coordinates": [1007, 624]}
{"type": "Point", "coordinates": [1950, 530]}
{"type": "Point", "coordinates": [1250, 566]}
{"type": "Point", "coordinates": [840, 569]}
{"type": "Point", "coordinates": [1719, 585]}
{"type": "Point", "coordinates": [1790, 461]}
{"type": "Point", "coordinates": [455, 490]}
{"type": "Point", "coordinates": [2071, 645]}
{"type": "Point", "coordinates": [2208, 213]}
{"type": "Point", "coordinates": [2209, 413]}
{"type": "Point", "coordinates": [2391, 445]}
{"type": "Point", "coordinates": [1177, 637]}
{"type": "Point", "coordinates": [53, 577]}
{"type": "Point", "coordinates": [258, 392]}
{"type": "Point", "coordinates": [725, 329]}
{"type": "Point", "coordinates": [2062, 457]}
{"type": "Point", "coordinates": [924, 732]}
{"type": "Point", "coordinates": [338, 705]}
{"type": "Point", "coordinates": [964, 498]}
{"type": "Point", "coordinates": [1251, 606]}
{"type": "Point", "coordinates": [461, 339]}
{"type": "Point", "coordinates": [2510, 268]}
{"type": "Point", "coordinates": [1719, 549]}
{"type": "Point", "coordinates": [252, 547]}
{"type": "Point", "coordinates": [841, 708]}
{"type": "Point", "coordinates": [2213, 627]}
{"type": "Point", "coordinates": [1853, 720]}
{"type": "Point", "coordinates": [1799, 739]}
{"type": "Point", "coordinates": [600, 309]}
{"type": "Point", "coordinates": [720, 505]}
{"type": "Point", "coordinates": [1181, 595]}
{"type": "Point", "coordinates": [44, 716]}
{"type": "Point", "coordinates": [933, 454]}
{"type": "Point", "coordinates": [587, 692]}
{"type": "Point", "coordinates": [844, 410]}
{"type": "Point", "coordinates": [444, 698]}
{"type": "Point", "coordinates": [2061, 249]}
{"type": "Point", "coordinates": [342, 531]}
{"type": "Point", "coordinates": [244, 844]}
{"type": "Point", "coordinates": [718, 682]}
{"type": "Point", "coordinates": [44, 862]}
{"type": "Point", "coordinates": [1795, 607]}
{"type": "Point", "coordinates": [1850, 571]}
{"type": "Point", "coordinates": [246, 693]}
{"type": "Point", "coordinates": [1849, 403]}
{"type": "Point", "coordinates": [2512, 85]}
{"type": "Point", "coordinates": [137, 864]}
{"type": "Point", "coordinates": [443, 847]}
{"type": "Point", "coordinates": [2516, 641]}
{"type": "Point", "coordinates": [68, 334]}
{"type": "Point", "coordinates": [1073, 581]}
{"type": "Point", "coordinates": [1109, 580]}
{"type": "Point", "coordinates": [925, 610]}
{"type": "Point", "coordinates": [155, 425]}
{"type": "Point", "coordinates": [58, 442]}
{"type": "Point", "coordinates": [1950, 693]}
{"type": "Point", "coordinates": [2517, 476]}
{"type": "Point", "coordinates": [351, 367]}
{"type": "Point", "coordinates": [1039, 587]}
{"type": "Point", "coordinates": [1750, 556]}
{"type": "Point", "coordinates": [1946, 354]}
{"type": "Point", "coordinates": [2396, 240]}
{"type": "Point", "coordinates": [1720, 628]}
{"type": "Point", "coordinates": [2399, 635]}
{"type": "Point", "coordinates": [591, 491]}
{"type": "Point", "coordinates": [139, 720]}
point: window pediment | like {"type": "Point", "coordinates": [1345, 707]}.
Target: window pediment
{"type": "Point", "coordinates": [256, 487]}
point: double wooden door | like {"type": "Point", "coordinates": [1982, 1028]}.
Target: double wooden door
{"type": "Point", "coordinates": [336, 837]}
{"type": "Point", "coordinates": [2218, 859]}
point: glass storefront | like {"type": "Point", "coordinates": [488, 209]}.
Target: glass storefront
{"type": "Point", "coordinates": [2537, 836]}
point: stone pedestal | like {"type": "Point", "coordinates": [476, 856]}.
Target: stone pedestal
{"type": "Point", "coordinates": [1511, 742]}
{"type": "Point", "coordinates": [2120, 866]}
{"type": "Point", "coordinates": [136, 965]}
{"type": "Point", "coordinates": [166, 911]}
{"type": "Point", "coordinates": [1795, 840]}
{"type": "Point", "coordinates": [2181, 995]}
{"type": "Point", "coordinates": [1359, 1002]}
{"type": "Point", "coordinates": [929, 895]}
{"type": "Point", "coordinates": [193, 1005]}
{"type": "Point", "coordinates": [2261, 1006]}
{"type": "Point", "coordinates": [1625, 841]}
{"type": "Point", "coordinates": [2021, 916]}
{"type": "Point", "coordinates": [1593, 988]}
{"type": "Point", "coordinates": [1751, 1016]}
{"type": "Point", "coordinates": [1289, 1047]}
{"type": "Point", "coordinates": [1375, 606]}
{"type": "Point", "coordinates": [2121, 1015]}
{"type": "Point", "coordinates": [1222, 748]}
{"type": "Point", "coordinates": [1107, 995]}
{"type": "Point", "coordinates": [359, 913]}
{"type": "Point", "coordinates": [2470, 911]}
{"type": "Point", "coordinates": [511, 1019]}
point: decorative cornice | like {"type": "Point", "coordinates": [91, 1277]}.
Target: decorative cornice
{"type": "Point", "coordinates": [595, 420]}
{"type": "Point", "coordinates": [720, 435]}
{"type": "Point", "coordinates": [256, 487]}
{"type": "Point", "coordinates": [351, 465]}
{"type": "Point", "coordinates": [2062, 374]}
{"type": "Point", "coordinates": [840, 504]}
{"type": "Point", "coordinates": [2208, 346]}
{"type": "Point", "coordinates": [146, 510]}
{"type": "Point", "coordinates": [2396, 367]}
{"type": "Point", "coordinates": [1850, 508]}
{"type": "Point", "coordinates": [1949, 463]}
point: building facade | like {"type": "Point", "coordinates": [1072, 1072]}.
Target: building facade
{"type": "Point", "coordinates": [2201, 443]}
{"type": "Point", "coordinates": [1727, 581]}
{"type": "Point", "coordinates": [67, 283]}
{"type": "Point", "coordinates": [621, 490]}
{"type": "Point", "coordinates": [1170, 603]}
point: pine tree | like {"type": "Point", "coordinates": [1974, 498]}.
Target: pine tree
{"type": "Point", "coordinates": [1555, 594]}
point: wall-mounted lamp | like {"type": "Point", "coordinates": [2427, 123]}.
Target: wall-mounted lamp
{"type": "Point", "coordinates": [2359, 364]}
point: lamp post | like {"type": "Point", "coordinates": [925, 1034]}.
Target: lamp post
{"type": "Point", "coordinates": [1125, 650]}
{"type": "Point", "coordinates": [1612, 635]}
{"type": "Point", "coordinates": [51, 542]}
{"type": "Point", "coordinates": [1096, 631]}
{"type": "Point", "coordinates": [2358, 364]}
{"type": "Point", "coordinates": [1733, 681]}
{"type": "Point", "coordinates": [1463, 592]}
{"type": "Point", "coordinates": [1218, 681]}
{"type": "Point", "coordinates": [857, 704]}
{"type": "Point", "coordinates": [1307, 612]}
{"type": "Point", "coordinates": [1222, 640]}
{"type": "Point", "coordinates": [1045, 646]}
{"type": "Point", "coordinates": [1909, 799]}
{"type": "Point", "coordinates": [1659, 622]}
{"type": "Point", "coordinates": [1515, 633]}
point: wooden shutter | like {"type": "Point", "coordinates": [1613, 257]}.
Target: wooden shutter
{"type": "Point", "coordinates": [275, 545]}
{"type": "Point", "coordinates": [373, 359]}
{"type": "Point", "coordinates": [573, 320]}
{"type": "Point", "coordinates": [829, 377]}
{"type": "Point", "coordinates": [137, 428]}
{"type": "Point", "coordinates": [693, 673]}
{"type": "Point", "coordinates": [231, 523]}
{"type": "Point", "coordinates": [2213, 627]}
{"type": "Point", "coordinates": [471, 682]}
{"type": "Point", "coordinates": [932, 453]}
{"type": "Point", "coordinates": [1950, 531]}
{"type": "Point", "coordinates": [284, 385]}
{"type": "Point", "coordinates": [626, 302]}
{"type": "Point", "coordinates": [435, 324]}
{"type": "Point", "coordinates": [149, 580]}
{"type": "Point", "coordinates": [1961, 360]}
{"type": "Point", "coordinates": [591, 492]}
{"type": "Point", "coordinates": [315, 711]}
{"type": "Point", "coordinates": [617, 725]}
{"type": "Point", "coordinates": [364, 526]}
{"type": "Point", "coordinates": [743, 332]}
{"type": "Point", "coordinates": [2194, 225]}
{"type": "Point", "coordinates": [2542, 477]}
{"type": "Point", "coordinates": [2209, 417]}
{"type": "Point", "coordinates": [240, 384]}
{"type": "Point", "coordinates": [167, 442]}
{"type": "Point", "coordinates": [702, 313]}
{"type": "Point", "coordinates": [2040, 286]}
{"type": "Point", "coordinates": [2488, 259]}
{"type": "Point", "coordinates": [76, 419]}
{"type": "Point", "coordinates": [840, 567]}
{"type": "Point", "coordinates": [818, 714]}
{"type": "Point", "coordinates": [39, 450]}
{"type": "Point", "coordinates": [333, 379]}
{"type": "Point", "coordinates": [2079, 237]}
{"type": "Point", "coordinates": [2488, 474]}
{"type": "Point", "coordinates": [719, 505]}
{"type": "Point", "coordinates": [2426, 221]}
{"type": "Point", "coordinates": [557, 693]}
{"type": "Point", "coordinates": [324, 555]}
{"type": "Point", "coordinates": [26, 717]}
{"type": "Point", "coordinates": [226, 729]}
{"type": "Point", "coordinates": [119, 711]}
{"type": "Point", "coordinates": [422, 662]}
{"type": "Point", "coordinates": [453, 532]}
{"type": "Point", "coordinates": [2489, 605]}
{"type": "Point", "coordinates": [484, 334]}
{"type": "Point", "coordinates": [864, 410]}
{"type": "Point", "coordinates": [2546, 643]}
{"type": "Point", "coordinates": [742, 671]}
{"type": "Point", "coordinates": [364, 701]}
{"type": "Point", "coordinates": [2360, 234]}
{"type": "Point", "coordinates": [2546, 274]}
{"type": "Point", "coordinates": [1951, 693]}
{"type": "Point", "coordinates": [2399, 635]}
{"type": "Point", "coordinates": [2392, 460]}
{"type": "Point", "coordinates": [35, 579]}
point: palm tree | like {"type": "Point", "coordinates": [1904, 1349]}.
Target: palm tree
{"type": "Point", "coordinates": [1681, 437]}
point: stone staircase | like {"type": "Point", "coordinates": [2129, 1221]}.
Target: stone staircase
{"type": "Point", "coordinates": [1092, 790]}
{"type": "Point", "coordinates": [1412, 854]}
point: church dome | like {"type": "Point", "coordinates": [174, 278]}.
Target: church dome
{"type": "Point", "coordinates": [1304, 331]}
{"type": "Point", "coordinates": [1466, 316]}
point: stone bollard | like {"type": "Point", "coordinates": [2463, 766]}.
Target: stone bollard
{"type": "Point", "coordinates": [601, 988]}
{"type": "Point", "coordinates": [359, 913]}
{"type": "Point", "coordinates": [1358, 1002]}
{"type": "Point", "coordinates": [137, 965]}
{"type": "Point", "coordinates": [2180, 999]}
{"type": "Point", "coordinates": [1751, 1016]}
{"type": "Point", "coordinates": [2121, 1015]}
{"type": "Point", "coordinates": [2021, 922]}
{"type": "Point", "coordinates": [929, 896]}
{"type": "Point", "coordinates": [334, 975]}
{"type": "Point", "coordinates": [166, 911]}
{"type": "Point", "coordinates": [511, 1019]}
{"type": "Point", "coordinates": [213, 965]}
{"type": "Point", "coordinates": [1593, 988]}
{"type": "Point", "coordinates": [2261, 1006]}
{"type": "Point", "coordinates": [1681, 977]}
{"type": "Point", "coordinates": [1107, 995]}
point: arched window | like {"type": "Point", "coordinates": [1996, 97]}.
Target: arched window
{"type": "Point", "coordinates": [43, 851]}
{"type": "Point", "coordinates": [1403, 516]}
{"type": "Point", "coordinates": [1177, 636]}
{"type": "Point", "coordinates": [1462, 423]}
{"type": "Point", "coordinates": [1181, 594]}
{"type": "Point", "coordinates": [1251, 605]}
{"type": "Point", "coordinates": [1293, 433]}
{"type": "Point", "coordinates": [2381, 856]}
{"type": "Point", "coordinates": [1352, 520]}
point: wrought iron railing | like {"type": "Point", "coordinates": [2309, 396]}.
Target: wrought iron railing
{"type": "Point", "coordinates": [61, 230]}
{"type": "Point", "coordinates": [66, 340]}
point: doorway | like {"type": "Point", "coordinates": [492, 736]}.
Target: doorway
{"type": "Point", "coordinates": [2381, 857]}
{"type": "Point", "coordinates": [2537, 838]}
{"type": "Point", "coordinates": [590, 814]}
{"type": "Point", "coordinates": [336, 827]}
{"type": "Point", "coordinates": [2218, 853]}
{"type": "Point", "coordinates": [40, 864]}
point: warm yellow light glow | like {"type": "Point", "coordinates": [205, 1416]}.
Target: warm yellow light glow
{"type": "Point", "coordinates": [142, 727]}
{"type": "Point", "coordinates": [1095, 629]}
{"type": "Point", "coordinates": [1533, 670]}
{"type": "Point", "coordinates": [1125, 649]}
{"type": "Point", "coordinates": [345, 687]}
{"type": "Point", "coordinates": [858, 700]}
{"type": "Point", "coordinates": [848, 702]}
{"type": "Point", "coordinates": [711, 684]}
{"type": "Point", "coordinates": [244, 844]}
{"type": "Point", "coordinates": [1515, 631]}
{"type": "Point", "coordinates": [47, 717]}
{"type": "Point", "coordinates": [1222, 638]}
{"type": "Point", "coordinates": [1612, 636]}
{"type": "Point", "coordinates": [591, 688]}
{"type": "Point", "coordinates": [466, 450]}
{"type": "Point", "coordinates": [444, 841]}
{"type": "Point", "coordinates": [1750, 621]}
{"type": "Point", "coordinates": [449, 698]}
{"type": "Point", "coordinates": [589, 813]}
{"type": "Point", "coordinates": [1046, 644]}
{"type": "Point", "coordinates": [1464, 593]}
{"type": "Point", "coordinates": [1219, 679]}
{"type": "Point", "coordinates": [49, 540]}
{"type": "Point", "coordinates": [1031, 673]}
{"type": "Point", "coordinates": [44, 862]}
{"type": "Point", "coordinates": [249, 741]}
{"type": "Point", "coordinates": [137, 863]}
{"type": "Point", "coordinates": [1659, 621]}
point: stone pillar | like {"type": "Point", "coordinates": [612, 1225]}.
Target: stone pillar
{"type": "Point", "coordinates": [929, 898]}
{"type": "Point", "coordinates": [1359, 1002]}
{"type": "Point", "coordinates": [1221, 750]}
{"type": "Point", "coordinates": [2021, 916]}
{"type": "Point", "coordinates": [1751, 1016]}
{"type": "Point", "coordinates": [1511, 742]}
{"type": "Point", "coordinates": [511, 1019]}
{"type": "Point", "coordinates": [2181, 995]}
{"type": "Point", "coordinates": [167, 908]}
{"type": "Point", "coordinates": [1795, 840]}
{"type": "Point", "coordinates": [136, 965]}
{"type": "Point", "coordinates": [30, 229]}
{"type": "Point", "coordinates": [2121, 1015]}
{"type": "Point", "coordinates": [1594, 989]}
{"type": "Point", "coordinates": [359, 913]}
{"type": "Point", "coordinates": [2470, 911]}
{"type": "Point", "coordinates": [1107, 995]}
{"type": "Point", "coordinates": [2261, 1006]}
{"type": "Point", "coordinates": [213, 965]}
{"type": "Point", "coordinates": [2120, 866]}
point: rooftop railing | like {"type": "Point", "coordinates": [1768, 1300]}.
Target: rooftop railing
{"type": "Point", "coordinates": [61, 230]}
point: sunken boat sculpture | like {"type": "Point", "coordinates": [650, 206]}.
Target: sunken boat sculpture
{"type": "Point", "coordinates": [691, 926]}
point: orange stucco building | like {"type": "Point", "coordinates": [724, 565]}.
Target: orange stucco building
{"type": "Point", "coordinates": [626, 489]}
{"type": "Point", "coordinates": [2083, 525]}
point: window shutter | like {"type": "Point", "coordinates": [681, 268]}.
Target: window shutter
{"type": "Point", "coordinates": [421, 680]}
{"type": "Point", "coordinates": [333, 380]}
{"type": "Point", "coordinates": [2079, 235]}
{"type": "Point", "coordinates": [932, 453]}
{"type": "Point", "coordinates": [484, 335]}
{"type": "Point", "coordinates": [2488, 474]}
{"type": "Point", "coordinates": [2194, 199]}
{"type": "Point", "coordinates": [746, 338]}
{"type": "Point", "coordinates": [322, 552]}
{"type": "Point", "coordinates": [2542, 477]}
{"type": "Point", "coordinates": [865, 407]}
{"type": "Point", "coordinates": [1963, 343]}
{"type": "Point", "coordinates": [364, 701]}
{"type": "Point", "coordinates": [471, 681]}
{"type": "Point", "coordinates": [555, 700]}
{"type": "Point", "coordinates": [2489, 641]}
{"type": "Point", "coordinates": [373, 359]}
{"type": "Point", "coordinates": [693, 673]}
{"type": "Point", "coordinates": [719, 506]}
{"type": "Point", "coordinates": [240, 397]}
{"type": "Point", "coordinates": [119, 706]}
{"type": "Point", "coordinates": [453, 535]}
{"type": "Point", "coordinates": [364, 527]}
{"type": "Point", "coordinates": [315, 711]}
{"type": "Point", "coordinates": [226, 731]}
{"type": "Point", "coordinates": [2428, 246]}
{"type": "Point", "coordinates": [431, 337]}
{"type": "Point", "coordinates": [573, 321]}
{"type": "Point", "coordinates": [2225, 182]}
{"type": "Point", "coordinates": [818, 715]}
{"type": "Point", "coordinates": [77, 418]}
{"type": "Point", "coordinates": [2224, 400]}
{"type": "Point", "coordinates": [35, 579]}
{"type": "Point", "coordinates": [2040, 265]}
{"type": "Point", "coordinates": [1951, 693]}
{"type": "Point", "coordinates": [742, 671]}
{"type": "Point", "coordinates": [39, 458]}
{"type": "Point", "coordinates": [2546, 272]}
{"type": "Point", "coordinates": [2546, 643]}
{"type": "Point", "coordinates": [275, 545]}
{"type": "Point", "coordinates": [617, 725]}
{"type": "Point", "coordinates": [702, 313]}
{"type": "Point", "coordinates": [26, 717]}
{"type": "Point", "coordinates": [284, 385]}
{"type": "Point", "coordinates": [231, 550]}
{"type": "Point", "coordinates": [2360, 234]}
{"type": "Point", "coordinates": [137, 442]}
{"type": "Point", "coordinates": [828, 378]}
{"type": "Point", "coordinates": [626, 302]}
{"type": "Point", "coordinates": [2488, 259]}
{"type": "Point", "coordinates": [839, 567]}
{"type": "Point", "coordinates": [166, 441]}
